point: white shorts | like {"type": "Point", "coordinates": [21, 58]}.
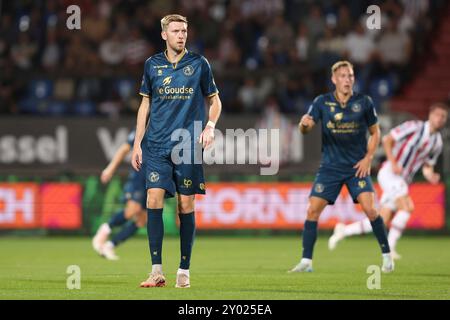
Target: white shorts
{"type": "Point", "coordinates": [393, 186]}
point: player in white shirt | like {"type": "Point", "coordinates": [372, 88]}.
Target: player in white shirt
{"type": "Point", "coordinates": [408, 147]}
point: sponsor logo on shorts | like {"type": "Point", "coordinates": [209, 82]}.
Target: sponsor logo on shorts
{"type": "Point", "coordinates": [319, 188]}
{"type": "Point", "coordinates": [127, 195]}
{"type": "Point", "coordinates": [362, 184]}
{"type": "Point", "coordinates": [202, 186]}
{"type": "Point", "coordinates": [187, 183]}
{"type": "Point", "coordinates": [153, 177]}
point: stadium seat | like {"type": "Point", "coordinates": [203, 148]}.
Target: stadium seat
{"type": "Point", "coordinates": [57, 108]}
{"type": "Point", "coordinates": [64, 89]}
{"type": "Point", "coordinates": [84, 108]}
{"type": "Point", "coordinates": [40, 89]}
{"type": "Point", "coordinates": [381, 89]}
{"type": "Point", "coordinates": [125, 88]}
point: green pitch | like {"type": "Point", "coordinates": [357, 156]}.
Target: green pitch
{"type": "Point", "coordinates": [224, 268]}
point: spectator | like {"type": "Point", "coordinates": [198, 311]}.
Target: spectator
{"type": "Point", "coordinates": [111, 50]}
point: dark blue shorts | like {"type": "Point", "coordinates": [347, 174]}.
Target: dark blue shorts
{"type": "Point", "coordinates": [162, 172]}
{"type": "Point", "coordinates": [329, 182]}
{"type": "Point", "coordinates": [135, 188]}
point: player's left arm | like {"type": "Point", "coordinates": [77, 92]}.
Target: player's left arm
{"type": "Point", "coordinates": [364, 165]}
{"type": "Point", "coordinates": [215, 108]}
{"type": "Point", "coordinates": [429, 174]}
{"type": "Point", "coordinates": [428, 167]}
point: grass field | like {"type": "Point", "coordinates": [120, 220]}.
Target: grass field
{"type": "Point", "coordinates": [224, 268]}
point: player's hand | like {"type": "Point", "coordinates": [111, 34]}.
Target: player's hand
{"type": "Point", "coordinates": [307, 121]}
{"type": "Point", "coordinates": [136, 158]}
{"type": "Point", "coordinates": [207, 137]}
{"type": "Point", "coordinates": [106, 176]}
{"type": "Point", "coordinates": [396, 168]}
{"type": "Point", "coordinates": [433, 177]}
{"type": "Point", "coordinates": [363, 167]}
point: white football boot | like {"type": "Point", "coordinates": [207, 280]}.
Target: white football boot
{"type": "Point", "coordinates": [338, 235]}
{"type": "Point", "coordinates": [305, 265]}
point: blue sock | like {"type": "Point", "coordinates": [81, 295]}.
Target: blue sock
{"type": "Point", "coordinates": [187, 233]}
{"type": "Point", "coordinates": [155, 233]}
{"type": "Point", "coordinates": [309, 238]}
{"type": "Point", "coordinates": [380, 232]}
{"type": "Point", "coordinates": [117, 219]}
{"type": "Point", "coordinates": [127, 231]}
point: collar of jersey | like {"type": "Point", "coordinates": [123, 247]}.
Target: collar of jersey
{"type": "Point", "coordinates": [340, 104]}
{"type": "Point", "coordinates": [174, 64]}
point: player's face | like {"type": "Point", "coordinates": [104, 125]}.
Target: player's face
{"type": "Point", "coordinates": [176, 35]}
{"type": "Point", "coordinates": [438, 118]}
{"type": "Point", "coordinates": [344, 78]}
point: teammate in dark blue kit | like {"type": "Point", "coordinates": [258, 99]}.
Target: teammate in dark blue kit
{"type": "Point", "coordinates": [133, 215]}
{"type": "Point", "coordinates": [346, 118]}
{"type": "Point", "coordinates": [174, 87]}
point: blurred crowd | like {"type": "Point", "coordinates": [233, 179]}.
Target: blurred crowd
{"type": "Point", "coordinates": [264, 53]}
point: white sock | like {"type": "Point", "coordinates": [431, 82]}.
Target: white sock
{"type": "Point", "coordinates": [398, 224]}
{"type": "Point", "coordinates": [358, 227]}
{"type": "Point", "coordinates": [110, 244]}
{"type": "Point", "coordinates": [184, 271]}
{"type": "Point", "coordinates": [306, 260]}
{"type": "Point", "coordinates": [106, 228]}
{"type": "Point", "coordinates": [157, 268]}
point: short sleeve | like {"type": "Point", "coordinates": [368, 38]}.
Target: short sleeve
{"type": "Point", "coordinates": [371, 113]}
{"type": "Point", "coordinates": [314, 109]}
{"type": "Point", "coordinates": [207, 83]}
{"type": "Point", "coordinates": [405, 129]}
{"type": "Point", "coordinates": [146, 86]}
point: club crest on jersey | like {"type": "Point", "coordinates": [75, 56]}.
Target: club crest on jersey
{"type": "Point", "coordinates": [188, 70]}
{"type": "Point", "coordinates": [319, 188]}
{"type": "Point", "coordinates": [356, 107]}
{"type": "Point", "coordinates": [362, 184]}
{"type": "Point", "coordinates": [153, 177]}
{"type": "Point", "coordinates": [159, 72]}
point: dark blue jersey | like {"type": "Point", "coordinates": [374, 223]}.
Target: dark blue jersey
{"type": "Point", "coordinates": [344, 128]}
{"type": "Point", "coordinates": [177, 94]}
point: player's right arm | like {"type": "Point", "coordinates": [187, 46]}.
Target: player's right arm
{"type": "Point", "coordinates": [309, 119]}
{"type": "Point", "coordinates": [306, 124]}
{"type": "Point", "coordinates": [144, 109]}
{"type": "Point", "coordinates": [117, 159]}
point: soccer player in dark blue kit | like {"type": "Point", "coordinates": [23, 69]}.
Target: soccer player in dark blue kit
{"type": "Point", "coordinates": [346, 118]}
{"type": "Point", "coordinates": [133, 216]}
{"type": "Point", "coordinates": [174, 87]}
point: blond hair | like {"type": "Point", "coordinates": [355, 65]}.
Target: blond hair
{"type": "Point", "coordinates": [172, 18]}
{"type": "Point", "coordinates": [340, 64]}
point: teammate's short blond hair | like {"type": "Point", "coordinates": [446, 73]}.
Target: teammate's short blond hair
{"type": "Point", "coordinates": [172, 18]}
{"type": "Point", "coordinates": [340, 64]}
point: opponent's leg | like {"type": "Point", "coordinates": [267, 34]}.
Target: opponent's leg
{"type": "Point", "coordinates": [342, 231]}
{"type": "Point", "coordinates": [104, 230]}
{"type": "Point", "coordinates": [398, 224]}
